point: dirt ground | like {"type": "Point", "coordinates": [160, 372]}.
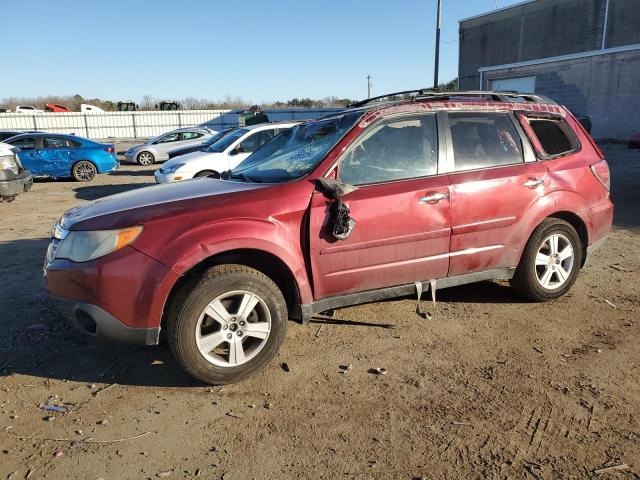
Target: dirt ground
{"type": "Point", "coordinates": [491, 387]}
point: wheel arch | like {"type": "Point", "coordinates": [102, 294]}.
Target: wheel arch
{"type": "Point", "coordinates": [265, 262]}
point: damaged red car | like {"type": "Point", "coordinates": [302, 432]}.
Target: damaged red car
{"type": "Point", "coordinates": [380, 200]}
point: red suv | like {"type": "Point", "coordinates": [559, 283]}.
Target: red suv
{"type": "Point", "coordinates": [374, 202]}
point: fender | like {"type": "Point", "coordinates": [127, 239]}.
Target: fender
{"type": "Point", "coordinates": [195, 245]}
{"type": "Point", "coordinates": [559, 200]}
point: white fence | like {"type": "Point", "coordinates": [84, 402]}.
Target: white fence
{"type": "Point", "coordinates": [140, 124]}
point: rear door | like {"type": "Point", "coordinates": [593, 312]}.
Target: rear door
{"type": "Point", "coordinates": [495, 180]}
{"type": "Point", "coordinates": [401, 209]}
{"type": "Point", "coordinates": [55, 155]}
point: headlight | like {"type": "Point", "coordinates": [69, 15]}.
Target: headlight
{"type": "Point", "coordinates": [85, 246]}
{"type": "Point", "coordinates": [8, 162]}
{"type": "Point", "coordinates": [172, 168]}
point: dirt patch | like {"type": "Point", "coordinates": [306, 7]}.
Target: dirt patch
{"type": "Point", "coordinates": [491, 387]}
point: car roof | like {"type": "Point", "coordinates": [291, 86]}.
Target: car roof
{"type": "Point", "coordinates": [51, 134]}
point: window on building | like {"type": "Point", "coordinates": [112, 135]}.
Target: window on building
{"type": "Point", "coordinates": [397, 149]}
{"type": "Point", "coordinates": [482, 140]}
{"type": "Point", "coordinates": [554, 136]}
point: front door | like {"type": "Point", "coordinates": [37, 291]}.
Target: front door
{"type": "Point", "coordinates": [401, 209]}
{"type": "Point", "coordinates": [495, 179]}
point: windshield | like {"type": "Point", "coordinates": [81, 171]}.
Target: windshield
{"type": "Point", "coordinates": [224, 143]}
{"type": "Point", "coordinates": [295, 152]}
{"type": "Point", "coordinates": [211, 140]}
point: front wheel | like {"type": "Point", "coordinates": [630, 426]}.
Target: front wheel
{"type": "Point", "coordinates": [227, 324]}
{"type": "Point", "coordinates": [84, 171]}
{"type": "Point", "coordinates": [550, 263]}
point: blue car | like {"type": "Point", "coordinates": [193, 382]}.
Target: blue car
{"type": "Point", "coordinates": [55, 155]}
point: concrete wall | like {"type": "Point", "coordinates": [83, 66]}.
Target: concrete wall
{"type": "Point", "coordinates": [140, 124]}
{"type": "Point", "coordinates": [604, 87]}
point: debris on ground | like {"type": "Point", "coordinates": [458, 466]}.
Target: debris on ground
{"type": "Point", "coordinates": [462, 424]}
{"type": "Point", "coordinates": [54, 408]}
{"type": "Point", "coordinates": [378, 371]}
{"type": "Point", "coordinates": [611, 304]}
{"type": "Point", "coordinates": [285, 367]}
{"type": "Point", "coordinates": [318, 332]}
{"type": "Point", "coordinates": [612, 468]}
{"type": "Point", "coordinates": [345, 368]}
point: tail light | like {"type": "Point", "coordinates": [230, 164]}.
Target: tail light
{"type": "Point", "coordinates": [110, 150]}
{"type": "Point", "coordinates": [601, 172]}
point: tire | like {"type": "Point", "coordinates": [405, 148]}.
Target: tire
{"type": "Point", "coordinates": [206, 173]}
{"type": "Point", "coordinates": [7, 199]}
{"type": "Point", "coordinates": [194, 328]}
{"type": "Point", "coordinates": [84, 171]}
{"type": "Point", "coordinates": [545, 271]}
{"type": "Point", "coordinates": [145, 158]}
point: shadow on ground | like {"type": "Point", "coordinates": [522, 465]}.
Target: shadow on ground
{"type": "Point", "coordinates": [93, 192]}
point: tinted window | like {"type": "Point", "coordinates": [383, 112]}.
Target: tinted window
{"type": "Point", "coordinates": [191, 135]}
{"type": "Point", "coordinates": [483, 140]}
{"type": "Point", "coordinates": [171, 137]}
{"type": "Point", "coordinates": [403, 148]}
{"type": "Point", "coordinates": [54, 142]}
{"type": "Point", "coordinates": [25, 143]}
{"type": "Point", "coordinates": [226, 141]}
{"type": "Point", "coordinates": [255, 141]}
{"type": "Point", "coordinates": [553, 136]}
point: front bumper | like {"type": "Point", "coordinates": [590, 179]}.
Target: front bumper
{"type": "Point", "coordinates": [95, 321]}
{"type": "Point", "coordinates": [14, 186]}
{"type": "Point", "coordinates": [169, 177]}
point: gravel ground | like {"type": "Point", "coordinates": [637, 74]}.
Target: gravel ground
{"type": "Point", "coordinates": [491, 387]}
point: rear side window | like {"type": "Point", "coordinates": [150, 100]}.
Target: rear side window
{"type": "Point", "coordinates": [554, 136]}
{"type": "Point", "coordinates": [482, 140]}
{"type": "Point", "coordinates": [54, 142]}
{"type": "Point", "coordinates": [397, 149]}
{"type": "Point", "coordinates": [191, 135]}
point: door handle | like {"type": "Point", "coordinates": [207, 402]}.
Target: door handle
{"type": "Point", "coordinates": [433, 197]}
{"type": "Point", "coordinates": [533, 182]}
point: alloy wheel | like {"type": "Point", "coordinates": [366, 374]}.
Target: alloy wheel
{"type": "Point", "coordinates": [85, 171]}
{"type": "Point", "coordinates": [145, 158]}
{"type": "Point", "coordinates": [555, 260]}
{"type": "Point", "coordinates": [233, 328]}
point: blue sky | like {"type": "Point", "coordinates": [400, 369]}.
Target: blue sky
{"type": "Point", "coordinates": [259, 50]}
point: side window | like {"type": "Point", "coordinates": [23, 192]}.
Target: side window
{"type": "Point", "coordinates": [171, 137]}
{"type": "Point", "coordinates": [397, 149]}
{"type": "Point", "coordinates": [190, 135]}
{"type": "Point", "coordinates": [25, 143]}
{"type": "Point", "coordinates": [54, 142]}
{"type": "Point", "coordinates": [482, 140]}
{"type": "Point", "coordinates": [554, 136]}
{"type": "Point", "coordinates": [256, 140]}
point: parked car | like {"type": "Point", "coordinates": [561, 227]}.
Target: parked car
{"type": "Point", "coordinates": [222, 155]}
{"type": "Point", "coordinates": [54, 107]}
{"type": "Point", "coordinates": [57, 156]}
{"type": "Point", "coordinates": [200, 147]}
{"type": "Point", "coordinates": [157, 149]}
{"type": "Point", "coordinates": [6, 134]}
{"type": "Point", "coordinates": [28, 109]}
{"type": "Point", "coordinates": [14, 178]}
{"type": "Point", "coordinates": [384, 199]}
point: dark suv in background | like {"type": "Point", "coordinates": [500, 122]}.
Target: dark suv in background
{"type": "Point", "coordinates": [417, 190]}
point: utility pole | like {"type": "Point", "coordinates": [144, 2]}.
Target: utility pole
{"type": "Point", "coordinates": [437, 65]}
{"type": "Point", "coordinates": [368, 86]}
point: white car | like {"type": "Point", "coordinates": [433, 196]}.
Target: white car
{"type": "Point", "coordinates": [225, 154]}
{"type": "Point", "coordinates": [28, 109]}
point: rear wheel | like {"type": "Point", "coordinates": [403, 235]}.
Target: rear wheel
{"type": "Point", "coordinates": [145, 158]}
{"type": "Point", "coordinates": [84, 171]}
{"type": "Point", "coordinates": [207, 173]}
{"type": "Point", "coordinates": [227, 324]}
{"type": "Point", "coordinates": [550, 263]}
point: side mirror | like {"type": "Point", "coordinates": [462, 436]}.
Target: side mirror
{"type": "Point", "coordinates": [335, 188]}
{"type": "Point", "coordinates": [342, 222]}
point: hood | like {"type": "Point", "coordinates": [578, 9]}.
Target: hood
{"type": "Point", "coordinates": [147, 202]}
{"type": "Point", "coordinates": [190, 157]}
{"type": "Point", "coordinates": [6, 149]}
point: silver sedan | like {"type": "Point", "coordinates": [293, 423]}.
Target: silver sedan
{"type": "Point", "coordinates": [157, 149]}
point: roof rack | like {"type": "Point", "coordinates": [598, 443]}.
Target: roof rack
{"type": "Point", "coordinates": [437, 94]}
